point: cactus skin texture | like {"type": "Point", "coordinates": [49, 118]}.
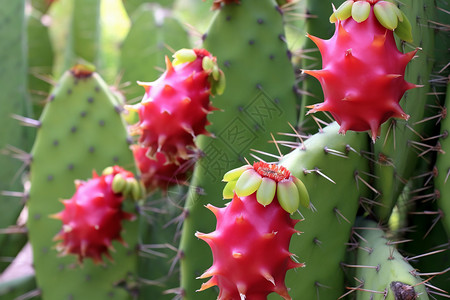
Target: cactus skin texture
{"type": "Point", "coordinates": [13, 100]}
{"type": "Point", "coordinates": [153, 32]}
{"type": "Point", "coordinates": [81, 130]}
{"type": "Point", "coordinates": [77, 38]}
{"type": "Point", "coordinates": [362, 75]}
{"type": "Point", "coordinates": [92, 218]}
{"type": "Point", "coordinates": [326, 229]}
{"type": "Point", "coordinates": [40, 61]}
{"type": "Point", "coordinates": [384, 272]}
{"type": "Point", "coordinates": [250, 248]}
{"type": "Point", "coordinates": [174, 109]}
{"type": "Point", "coordinates": [442, 182]}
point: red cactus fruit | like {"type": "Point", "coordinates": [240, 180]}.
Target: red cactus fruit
{"type": "Point", "coordinates": [250, 245]}
{"type": "Point", "coordinates": [363, 72]}
{"type": "Point", "coordinates": [92, 218]}
{"type": "Point", "coordinates": [158, 173]}
{"type": "Point", "coordinates": [175, 107]}
{"type": "Point", "coordinates": [250, 249]}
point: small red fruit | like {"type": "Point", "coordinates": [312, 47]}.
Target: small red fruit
{"type": "Point", "coordinates": [92, 218]}
{"type": "Point", "coordinates": [250, 247]}
{"type": "Point", "coordinates": [174, 109]}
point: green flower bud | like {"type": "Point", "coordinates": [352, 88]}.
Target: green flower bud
{"type": "Point", "coordinates": [302, 193]}
{"type": "Point", "coordinates": [360, 11]}
{"type": "Point", "coordinates": [266, 191]}
{"type": "Point", "coordinates": [345, 10]}
{"type": "Point", "coordinates": [287, 194]}
{"type": "Point", "coordinates": [386, 14]}
{"type": "Point", "coordinates": [183, 56]}
{"type": "Point", "coordinates": [235, 173]}
{"type": "Point", "coordinates": [248, 183]}
{"type": "Point", "coordinates": [118, 183]}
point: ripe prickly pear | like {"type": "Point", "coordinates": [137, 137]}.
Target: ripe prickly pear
{"type": "Point", "coordinates": [363, 71]}
{"type": "Point", "coordinates": [250, 245]}
{"type": "Point", "coordinates": [175, 107]}
{"type": "Point", "coordinates": [157, 173]}
{"type": "Point", "coordinates": [92, 217]}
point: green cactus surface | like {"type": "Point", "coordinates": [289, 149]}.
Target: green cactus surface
{"type": "Point", "coordinates": [383, 273]}
{"type": "Point", "coordinates": [81, 130]}
{"type": "Point", "coordinates": [40, 61]}
{"type": "Point", "coordinates": [333, 168]}
{"type": "Point", "coordinates": [77, 38]}
{"type": "Point", "coordinates": [13, 102]}
{"type": "Point", "coordinates": [442, 180]}
{"type": "Point", "coordinates": [153, 34]}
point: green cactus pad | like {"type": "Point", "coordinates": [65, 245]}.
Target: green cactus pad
{"type": "Point", "coordinates": [335, 198]}
{"type": "Point", "coordinates": [383, 273]}
{"type": "Point", "coordinates": [40, 61]}
{"type": "Point", "coordinates": [81, 130]}
{"type": "Point", "coordinates": [442, 180]}
{"type": "Point", "coordinates": [142, 53]}
{"type": "Point", "coordinates": [13, 101]}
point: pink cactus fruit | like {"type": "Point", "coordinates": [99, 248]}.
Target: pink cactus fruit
{"type": "Point", "coordinates": [174, 109]}
{"type": "Point", "coordinates": [157, 173]}
{"type": "Point", "coordinates": [250, 245]}
{"type": "Point", "coordinates": [92, 218]}
{"type": "Point", "coordinates": [362, 73]}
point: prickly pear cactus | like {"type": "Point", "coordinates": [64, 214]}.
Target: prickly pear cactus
{"type": "Point", "coordinates": [253, 106]}
{"type": "Point", "coordinates": [333, 169]}
{"type": "Point", "coordinates": [398, 150]}
{"type": "Point", "coordinates": [80, 130]}
{"type": "Point", "coordinates": [383, 273]}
